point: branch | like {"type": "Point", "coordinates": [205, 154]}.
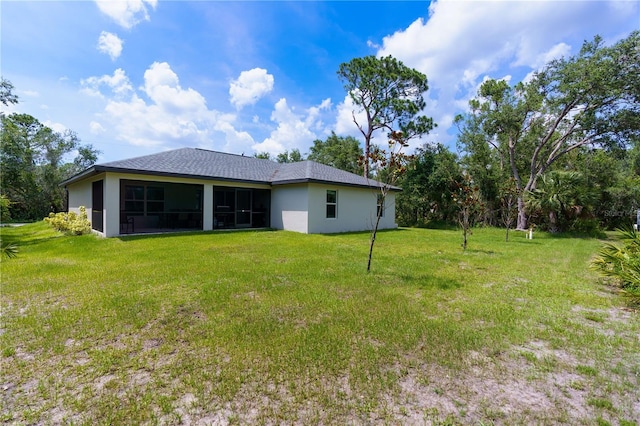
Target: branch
{"type": "Point", "coordinates": [547, 138]}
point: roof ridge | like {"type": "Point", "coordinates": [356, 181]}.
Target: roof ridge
{"type": "Point", "coordinates": [228, 153]}
{"type": "Point", "coordinates": [147, 155]}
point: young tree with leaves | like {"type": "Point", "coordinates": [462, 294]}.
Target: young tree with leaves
{"type": "Point", "coordinates": [392, 164]}
{"type": "Point", "coordinates": [390, 94]}
{"type": "Point", "coordinates": [509, 204]}
{"type": "Point", "coordinates": [470, 205]}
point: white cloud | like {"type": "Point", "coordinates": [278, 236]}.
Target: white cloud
{"type": "Point", "coordinates": [110, 44]}
{"type": "Point", "coordinates": [118, 83]}
{"type": "Point", "coordinates": [236, 141]}
{"type": "Point", "coordinates": [162, 86]}
{"type": "Point", "coordinates": [462, 42]}
{"type": "Point", "coordinates": [56, 127]}
{"type": "Point", "coordinates": [127, 13]}
{"type": "Point", "coordinates": [96, 128]}
{"type": "Point", "coordinates": [556, 52]}
{"type": "Point", "coordinates": [344, 119]}
{"type": "Point", "coordinates": [162, 114]}
{"type": "Point", "coordinates": [294, 131]}
{"type": "Point", "coordinates": [249, 87]}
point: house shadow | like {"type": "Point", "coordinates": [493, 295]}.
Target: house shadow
{"type": "Point", "coordinates": [193, 233]}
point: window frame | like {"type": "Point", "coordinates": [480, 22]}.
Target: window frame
{"type": "Point", "coordinates": [331, 205]}
{"type": "Point", "coordinates": [380, 205]}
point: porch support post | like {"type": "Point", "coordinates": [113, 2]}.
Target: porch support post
{"type": "Point", "coordinates": [111, 205]}
{"type": "Point", "coordinates": [207, 208]}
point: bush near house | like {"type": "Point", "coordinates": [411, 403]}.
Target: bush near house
{"type": "Point", "coordinates": [72, 223]}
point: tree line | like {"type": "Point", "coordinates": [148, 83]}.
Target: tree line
{"type": "Point", "coordinates": [34, 160]}
{"type": "Point", "coordinates": [560, 150]}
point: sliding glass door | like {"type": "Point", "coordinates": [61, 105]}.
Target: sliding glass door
{"type": "Point", "coordinates": [243, 208]}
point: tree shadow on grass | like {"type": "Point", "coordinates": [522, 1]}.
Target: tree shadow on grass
{"type": "Point", "coordinates": [25, 236]}
{"type": "Point", "coordinates": [425, 282]}
{"type": "Point", "coordinates": [487, 252]}
{"type": "Point", "coordinates": [367, 233]}
{"type": "Point", "coordinates": [514, 241]}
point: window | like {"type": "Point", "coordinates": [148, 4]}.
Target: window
{"type": "Point", "coordinates": [380, 206]}
{"type": "Point", "coordinates": [332, 203]}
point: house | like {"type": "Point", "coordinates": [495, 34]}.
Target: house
{"type": "Point", "coordinates": [198, 189]}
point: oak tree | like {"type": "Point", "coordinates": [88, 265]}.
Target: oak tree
{"type": "Point", "coordinates": [592, 98]}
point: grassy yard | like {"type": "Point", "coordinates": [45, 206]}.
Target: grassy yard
{"type": "Point", "coordinates": [285, 328]}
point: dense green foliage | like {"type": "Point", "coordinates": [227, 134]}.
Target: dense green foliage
{"type": "Point", "coordinates": [34, 160]}
{"type": "Point", "coordinates": [5, 214]}
{"type": "Point", "coordinates": [428, 187]}
{"type": "Point", "coordinates": [589, 190]}
{"type": "Point", "coordinates": [578, 103]}
{"type": "Point", "coordinates": [290, 157]}
{"type": "Point", "coordinates": [343, 153]}
{"type": "Point", "coordinates": [280, 327]}
{"type": "Point", "coordinates": [560, 152]}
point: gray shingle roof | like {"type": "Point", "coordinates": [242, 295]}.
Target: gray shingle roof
{"type": "Point", "coordinates": [201, 163]}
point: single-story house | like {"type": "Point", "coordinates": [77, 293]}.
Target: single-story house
{"type": "Point", "coordinates": [198, 189]}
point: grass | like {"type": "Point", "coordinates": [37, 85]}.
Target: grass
{"type": "Point", "coordinates": [279, 327]}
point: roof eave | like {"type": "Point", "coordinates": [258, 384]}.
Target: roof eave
{"type": "Point", "coordinates": [332, 182]}
{"type": "Point", "coordinates": [95, 170]}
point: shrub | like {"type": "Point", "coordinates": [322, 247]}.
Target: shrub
{"type": "Point", "coordinates": [71, 223]}
{"type": "Point", "coordinates": [622, 263]}
{"type": "Point", "coordinates": [5, 203]}
{"type": "Point", "coordinates": [586, 226]}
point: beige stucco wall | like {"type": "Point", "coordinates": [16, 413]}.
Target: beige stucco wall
{"type": "Point", "coordinates": [302, 208]}
{"type": "Point", "coordinates": [356, 210]}
{"type": "Point", "coordinates": [80, 195]}
{"type": "Point", "coordinates": [289, 207]}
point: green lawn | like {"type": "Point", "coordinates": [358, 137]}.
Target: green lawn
{"type": "Point", "coordinates": [280, 327]}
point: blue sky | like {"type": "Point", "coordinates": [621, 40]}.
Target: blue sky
{"type": "Point", "coordinates": [135, 77]}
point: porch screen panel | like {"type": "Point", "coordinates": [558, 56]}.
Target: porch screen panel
{"type": "Point", "coordinates": [97, 205]}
